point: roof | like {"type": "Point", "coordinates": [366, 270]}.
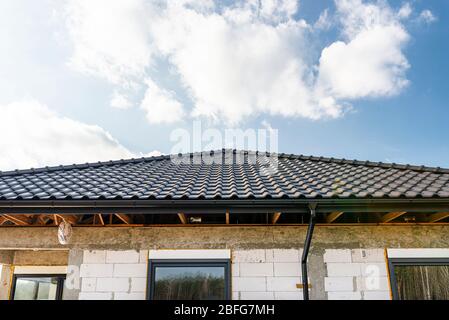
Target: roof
{"type": "Point", "coordinates": [233, 174]}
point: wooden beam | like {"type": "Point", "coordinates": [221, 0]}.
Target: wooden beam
{"type": "Point", "coordinates": [72, 219]}
{"type": "Point", "coordinates": [391, 216]}
{"type": "Point", "coordinates": [18, 219]}
{"type": "Point", "coordinates": [124, 217]}
{"type": "Point", "coordinates": [183, 218]}
{"type": "Point", "coordinates": [275, 217]}
{"type": "Point", "coordinates": [227, 217]}
{"type": "Point", "coordinates": [100, 217]}
{"type": "Point", "coordinates": [2, 220]}
{"type": "Point", "coordinates": [438, 216]}
{"type": "Point", "coordinates": [331, 217]}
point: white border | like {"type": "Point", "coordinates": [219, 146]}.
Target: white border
{"type": "Point", "coordinates": [418, 253]}
{"type": "Point", "coordinates": [40, 270]}
{"type": "Point", "coordinates": [190, 254]}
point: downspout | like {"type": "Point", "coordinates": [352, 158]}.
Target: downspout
{"type": "Point", "coordinates": [305, 252]}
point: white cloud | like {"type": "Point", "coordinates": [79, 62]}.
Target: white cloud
{"type": "Point", "coordinates": [34, 136]}
{"type": "Point", "coordinates": [238, 60]}
{"type": "Point", "coordinates": [120, 101]}
{"type": "Point", "coordinates": [370, 63]}
{"type": "Point", "coordinates": [426, 16]}
{"type": "Point", "coordinates": [160, 105]}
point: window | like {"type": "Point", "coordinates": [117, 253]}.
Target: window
{"type": "Point", "coordinates": [37, 287]}
{"type": "Point", "coordinates": [189, 279]}
{"type": "Point", "coordinates": [419, 278]}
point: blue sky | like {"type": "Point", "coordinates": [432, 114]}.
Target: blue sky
{"type": "Point", "coordinates": [345, 78]}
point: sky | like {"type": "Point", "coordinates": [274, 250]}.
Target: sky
{"type": "Point", "coordinates": [93, 80]}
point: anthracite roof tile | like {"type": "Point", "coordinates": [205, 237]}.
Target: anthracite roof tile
{"type": "Point", "coordinates": [231, 175]}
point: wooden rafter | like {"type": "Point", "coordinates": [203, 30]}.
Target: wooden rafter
{"type": "Point", "coordinates": [72, 219]}
{"type": "Point", "coordinates": [391, 216]}
{"type": "Point", "coordinates": [275, 217]}
{"type": "Point", "coordinates": [100, 218]}
{"type": "Point", "coordinates": [331, 217]}
{"type": "Point", "coordinates": [2, 220]}
{"type": "Point", "coordinates": [438, 216]}
{"type": "Point", "coordinates": [18, 219]}
{"type": "Point", "coordinates": [183, 218]}
{"type": "Point", "coordinates": [124, 217]}
{"type": "Point", "coordinates": [227, 217]}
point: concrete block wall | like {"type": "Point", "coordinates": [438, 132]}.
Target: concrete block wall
{"type": "Point", "coordinates": [356, 274]}
{"type": "Point", "coordinates": [113, 275]}
{"type": "Point", "coordinates": [266, 274]}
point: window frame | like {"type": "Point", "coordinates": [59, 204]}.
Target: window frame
{"type": "Point", "coordinates": [392, 262]}
{"type": "Point", "coordinates": [153, 263]}
{"type": "Point", "coordinates": [60, 285]}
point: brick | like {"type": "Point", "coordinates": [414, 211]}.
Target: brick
{"type": "Point", "coordinates": [372, 284]}
{"type": "Point", "coordinates": [257, 255]}
{"type": "Point", "coordinates": [125, 256]}
{"type": "Point", "coordinates": [287, 269]}
{"type": "Point", "coordinates": [143, 256]}
{"type": "Point", "coordinates": [129, 296]}
{"type": "Point", "coordinates": [136, 270]}
{"type": "Point", "coordinates": [94, 256]}
{"type": "Point", "coordinates": [256, 269]}
{"type": "Point", "coordinates": [88, 284]}
{"type": "Point", "coordinates": [348, 295]}
{"type": "Point", "coordinates": [113, 284]}
{"type": "Point", "coordinates": [138, 284]}
{"type": "Point", "coordinates": [339, 283]}
{"type": "Point", "coordinates": [95, 296]}
{"type": "Point", "coordinates": [337, 255]}
{"type": "Point", "coordinates": [283, 255]}
{"type": "Point", "coordinates": [96, 270]}
{"type": "Point", "coordinates": [283, 283]}
{"type": "Point", "coordinates": [249, 284]}
{"type": "Point", "coordinates": [374, 269]}
{"type": "Point", "coordinates": [344, 269]}
{"type": "Point", "coordinates": [368, 255]}
{"type": "Point", "coordinates": [288, 295]}
{"type": "Point", "coordinates": [256, 296]}
{"type": "Point", "coordinates": [235, 269]}
{"type": "Point", "coordinates": [376, 295]}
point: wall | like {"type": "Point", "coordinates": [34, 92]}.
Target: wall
{"type": "Point", "coordinates": [265, 259]}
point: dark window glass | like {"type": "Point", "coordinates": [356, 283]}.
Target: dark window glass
{"type": "Point", "coordinates": [37, 287]}
{"type": "Point", "coordinates": [192, 281]}
{"type": "Point", "coordinates": [420, 279]}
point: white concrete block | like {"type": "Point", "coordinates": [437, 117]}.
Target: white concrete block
{"type": "Point", "coordinates": [129, 296]}
{"type": "Point", "coordinates": [94, 256]}
{"type": "Point", "coordinates": [143, 256]}
{"type": "Point", "coordinates": [257, 255]}
{"type": "Point", "coordinates": [249, 284]}
{"type": "Point", "coordinates": [96, 270]}
{"type": "Point", "coordinates": [190, 254]}
{"type": "Point", "coordinates": [283, 283]}
{"type": "Point", "coordinates": [339, 283]}
{"type": "Point", "coordinates": [235, 269]}
{"type": "Point", "coordinates": [256, 269]}
{"type": "Point", "coordinates": [376, 295]}
{"type": "Point", "coordinates": [113, 284]}
{"type": "Point", "coordinates": [95, 296]}
{"type": "Point", "coordinates": [287, 269]}
{"type": "Point", "coordinates": [235, 295]}
{"type": "Point", "coordinates": [283, 255]}
{"type": "Point", "coordinates": [419, 253]}
{"type": "Point", "coordinates": [337, 255]}
{"type": "Point", "coordinates": [88, 284]}
{"type": "Point", "coordinates": [335, 269]}
{"type": "Point", "coordinates": [374, 269]}
{"type": "Point", "coordinates": [372, 284]}
{"type": "Point", "coordinates": [138, 284]}
{"type": "Point", "coordinates": [367, 255]}
{"type": "Point", "coordinates": [289, 295]}
{"type": "Point", "coordinates": [256, 296]}
{"type": "Point", "coordinates": [348, 295]}
{"type": "Point", "coordinates": [135, 270]}
{"type": "Point", "coordinates": [124, 256]}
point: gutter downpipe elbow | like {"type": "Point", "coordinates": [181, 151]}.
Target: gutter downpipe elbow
{"type": "Point", "coordinates": [305, 252]}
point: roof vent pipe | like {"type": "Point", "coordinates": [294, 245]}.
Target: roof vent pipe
{"type": "Point", "coordinates": [305, 252]}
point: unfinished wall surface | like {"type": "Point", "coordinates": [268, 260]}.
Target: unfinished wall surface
{"type": "Point", "coordinates": [345, 262]}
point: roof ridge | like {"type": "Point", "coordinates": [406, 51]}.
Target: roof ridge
{"type": "Point", "coordinates": [380, 164]}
